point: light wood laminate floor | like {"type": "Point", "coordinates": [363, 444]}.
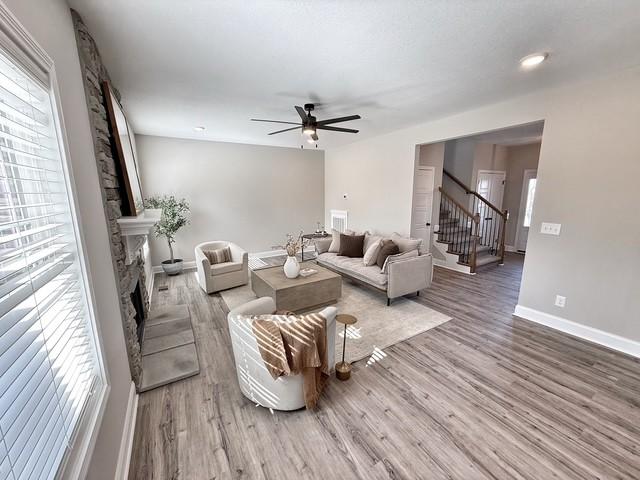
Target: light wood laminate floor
{"type": "Point", "coordinates": [484, 395]}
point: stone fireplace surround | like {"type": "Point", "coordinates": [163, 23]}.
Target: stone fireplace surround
{"type": "Point", "coordinates": [128, 234]}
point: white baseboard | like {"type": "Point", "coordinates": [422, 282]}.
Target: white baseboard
{"type": "Point", "coordinates": [615, 342]}
{"type": "Point", "coordinates": [278, 252]}
{"type": "Point", "coordinates": [456, 268]}
{"type": "Point", "coordinates": [126, 443]}
{"type": "Point", "coordinates": [190, 265]}
{"type": "Point", "coordinates": [268, 253]}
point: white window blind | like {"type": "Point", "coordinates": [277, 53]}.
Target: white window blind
{"type": "Point", "coordinates": [48, 362]}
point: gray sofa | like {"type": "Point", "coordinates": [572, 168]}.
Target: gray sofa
{"type": "Point", "coordinates": [403, 276]}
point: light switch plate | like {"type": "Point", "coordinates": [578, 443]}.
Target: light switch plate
{"type": "Point", "coordinates": [561, 301]}
{"type": "Point", "coordinates": [550, 228]}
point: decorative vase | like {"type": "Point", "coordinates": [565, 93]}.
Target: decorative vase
{"type": "Point", "coordinates": [291, 267]}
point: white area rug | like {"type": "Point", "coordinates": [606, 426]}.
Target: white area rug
{"type": "Point", "coordinates": [378, 326]}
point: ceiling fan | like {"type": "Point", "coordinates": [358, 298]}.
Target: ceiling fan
{"type": "Point", "coordinates": [310, 124]}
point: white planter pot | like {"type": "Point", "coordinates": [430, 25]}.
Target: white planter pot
{"type": "Point", "coordinates": [291, 267]}
{"type": "Point", "coordinates": [172, 268]}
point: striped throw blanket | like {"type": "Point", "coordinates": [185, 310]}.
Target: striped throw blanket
{"type": "Point", "coordinates": [295, 344]}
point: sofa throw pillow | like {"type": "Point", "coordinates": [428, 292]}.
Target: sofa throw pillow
{"type": "Point", "coordinates": [369, 240]}
{"type": "Point", "coordinates": [322, 244]}
{"type": "Point", "coordinates": [371, 253]}
{"type": "Point", "coordinates": [335, 240]}
{"type": "Point", "coordinates": [219, 255]}
{"type": "Point", "coordinates": [406, 244]}
{"type": "Point", "coordinates": [395, 258]}
{"type": "Point", "coordinates": [386, 248]}
{"type": "Point", "coordinates": [351, 246]}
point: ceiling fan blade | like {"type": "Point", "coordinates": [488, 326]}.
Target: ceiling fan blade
{"type": "Point", "coordinates": [285, 130]}
{"type": "Point", "coordinates": [315, 136]}
{"type": "Point", "coordinates": [336, 129]}
{"type": "Point", "coordinates": [274, 121]}
{"type": "Point", "coordinates": [339, 119]}
{"type": "Point", "coordinates": [302, 113]}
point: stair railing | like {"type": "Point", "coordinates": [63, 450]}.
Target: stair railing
{"type": "Point", "coordinates": [461, 229]}
{"type": "Point", "coordinates": [493, 221]}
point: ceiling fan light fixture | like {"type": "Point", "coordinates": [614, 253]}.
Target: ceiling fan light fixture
{"type": "Point", "coordinates": [308, 130]}
{"type": "Point", "coordinates": [310, 140]}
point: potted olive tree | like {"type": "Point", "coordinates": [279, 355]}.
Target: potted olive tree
{"type": "Point", "coordinates": [175, 215]}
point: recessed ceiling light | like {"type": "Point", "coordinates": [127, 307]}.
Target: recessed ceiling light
{"type": "Point", "coordinates": [199, 129]}
{"type": "Point", "coordinates": [533, 60]}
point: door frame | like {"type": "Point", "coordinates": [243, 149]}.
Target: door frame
{"type": "Point", "coordinates": [433, 196]}
{"type": "Point", "coordinates": [523, 205]}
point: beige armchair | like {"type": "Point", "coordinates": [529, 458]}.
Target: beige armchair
{"type": "Point", "coordinates": [221, 276]}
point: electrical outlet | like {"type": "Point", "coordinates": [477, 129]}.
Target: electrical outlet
{"type": "Point", "coordinates": [550, 228]}
{"type": "Point", "coordinates": [560, 301]}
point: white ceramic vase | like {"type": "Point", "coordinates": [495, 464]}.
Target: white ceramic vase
{"type": "Point", "coordinates": [291, 267]}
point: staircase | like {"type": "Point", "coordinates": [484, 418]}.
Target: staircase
{"type": "Point", "coordinates": [471, 229]}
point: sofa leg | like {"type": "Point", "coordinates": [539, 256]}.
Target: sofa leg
{"type": "Point", "coordinates": [388, 301]}
{"type": "Point", "coordinates": [418, 293]}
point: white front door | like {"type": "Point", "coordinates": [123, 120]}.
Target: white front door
{"type": "Point", "coordinates": [422, 205]}
{"type": "Point", "coordinates": [526, 209]}
{"type": "Point", "coordinates": [491, 186]}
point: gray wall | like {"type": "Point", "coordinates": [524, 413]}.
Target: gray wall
{"type": "Point", "coordinates": [50, 24]}
{"type": "Point", "coordinates": [590, 144]}
{"type": "Point", "coordinates": [251, 195]}
{"type": "Point", "coordinates": [519, 159]}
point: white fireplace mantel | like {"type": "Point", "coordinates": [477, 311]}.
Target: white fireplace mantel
{"type": "Point", "coordinates": [134, 231]}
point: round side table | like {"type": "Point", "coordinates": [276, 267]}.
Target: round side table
{"type": "Point", "coordinates": [343, 369]}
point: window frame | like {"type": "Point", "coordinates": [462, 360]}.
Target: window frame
{"type": "Point", "coordinates": [26, 52]}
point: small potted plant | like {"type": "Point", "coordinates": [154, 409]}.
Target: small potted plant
{"type": "Point", "coordinates": [175, 215]}
{"type": "Point", "coordinates": [292, 247]}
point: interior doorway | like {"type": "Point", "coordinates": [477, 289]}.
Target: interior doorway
{"type": "Point", "coordinates": [422, 207]}
{"type": "Point", "coordinates": [480, 214]}
{"type": "Point", "coordinates": [490, 185]}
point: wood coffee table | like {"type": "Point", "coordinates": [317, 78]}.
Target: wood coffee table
{"type": "Point", "coordinates": [297, 294]}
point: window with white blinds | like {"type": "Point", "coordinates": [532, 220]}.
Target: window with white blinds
{"type": "Point", "coordinates": [48, 361]}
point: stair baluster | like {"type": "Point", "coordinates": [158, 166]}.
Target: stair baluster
{"type": "Point", "coordinates": [476, 232]}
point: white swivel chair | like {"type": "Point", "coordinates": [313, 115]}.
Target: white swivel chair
{"type": "Point", "coordinates": [220, 276]}
{"type": "Point", "coordinates": [256, 383]}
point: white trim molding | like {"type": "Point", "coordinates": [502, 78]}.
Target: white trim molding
{"type": "Point", "coordinates": [126, 443]}
{"type": "Point", "coordinates": [190, 265]}
{"type": "Point", "coordinates": [276, 252]}
{"type": "Point", "coordinates": [615, 342]}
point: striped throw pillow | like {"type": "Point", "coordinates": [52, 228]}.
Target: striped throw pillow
{"type": "Point", "coordinates": [220, 255]}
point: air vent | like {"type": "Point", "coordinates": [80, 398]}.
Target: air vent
{"type": "Point", "coordinates": [339, 220]}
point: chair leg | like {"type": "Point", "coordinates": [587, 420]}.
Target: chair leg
{"type": "Point", "coordinates": [418, 293]}
{"type": "Point", "coordinates": [388, 301]}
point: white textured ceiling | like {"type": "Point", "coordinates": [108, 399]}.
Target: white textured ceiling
{"type": "Point", "coordinates": [184, 63]}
